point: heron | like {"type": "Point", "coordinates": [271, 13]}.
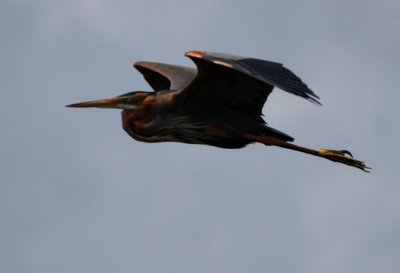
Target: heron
{"type": "Point", "coordinates": [218, 103]}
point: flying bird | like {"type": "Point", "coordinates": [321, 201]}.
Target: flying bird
{"type": "Point", "coordinates": [219, 104]}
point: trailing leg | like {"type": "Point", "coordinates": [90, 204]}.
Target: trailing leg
{"type": "Point", "coordinates": [341, 156]}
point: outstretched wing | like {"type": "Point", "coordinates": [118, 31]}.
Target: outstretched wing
{"type": "Point", "coordinates": [165, 76]}
{"type": "Point", "coordinates": [241, 82]}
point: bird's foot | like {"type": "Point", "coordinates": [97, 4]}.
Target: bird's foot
{"type": "Point", "coordinates": [345, 157]}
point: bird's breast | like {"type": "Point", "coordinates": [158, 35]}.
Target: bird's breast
{"type": "Point", "coordinates": [136, 121]}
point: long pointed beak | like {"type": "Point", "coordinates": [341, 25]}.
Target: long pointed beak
{"type": "Point", "coordinates": [114, 102]}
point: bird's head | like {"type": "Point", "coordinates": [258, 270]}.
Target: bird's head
{"type": "Point", "coordinates": [128, 101]}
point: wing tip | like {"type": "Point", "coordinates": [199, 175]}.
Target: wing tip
{"type": "Point", "coordinates": [312, 97]}
{"type": "Point", "coordinates": [315, 101]}
{"type": "Point", "coordinates": [307, 94]}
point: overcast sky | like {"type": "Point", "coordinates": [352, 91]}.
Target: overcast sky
{"type": "Point", "coordinates": [77, 194]}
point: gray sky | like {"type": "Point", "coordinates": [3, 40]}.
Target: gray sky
{"type": "Point", "coordinates": [78, 195]}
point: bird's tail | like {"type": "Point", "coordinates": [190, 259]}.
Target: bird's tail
{"type": "Point", "coordinates": [276, 133]}
{"type": "Point", "coordinates": [341, 156]}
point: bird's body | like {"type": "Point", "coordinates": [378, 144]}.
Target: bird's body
{"type": "Point", "coordinates": [219, 104]}
{"type": "Point", "coordinates": [159, 122]}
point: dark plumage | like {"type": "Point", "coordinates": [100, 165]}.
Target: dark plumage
{"type": "Point", "coordinates": [219, 104]}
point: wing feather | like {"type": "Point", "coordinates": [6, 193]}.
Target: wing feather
{"type": "Point", "coordinates": [238, 82]}
{"type": "Point", "coordinates": [267, 72]}
{"type": "Point", "coordinates": [162, 76]}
